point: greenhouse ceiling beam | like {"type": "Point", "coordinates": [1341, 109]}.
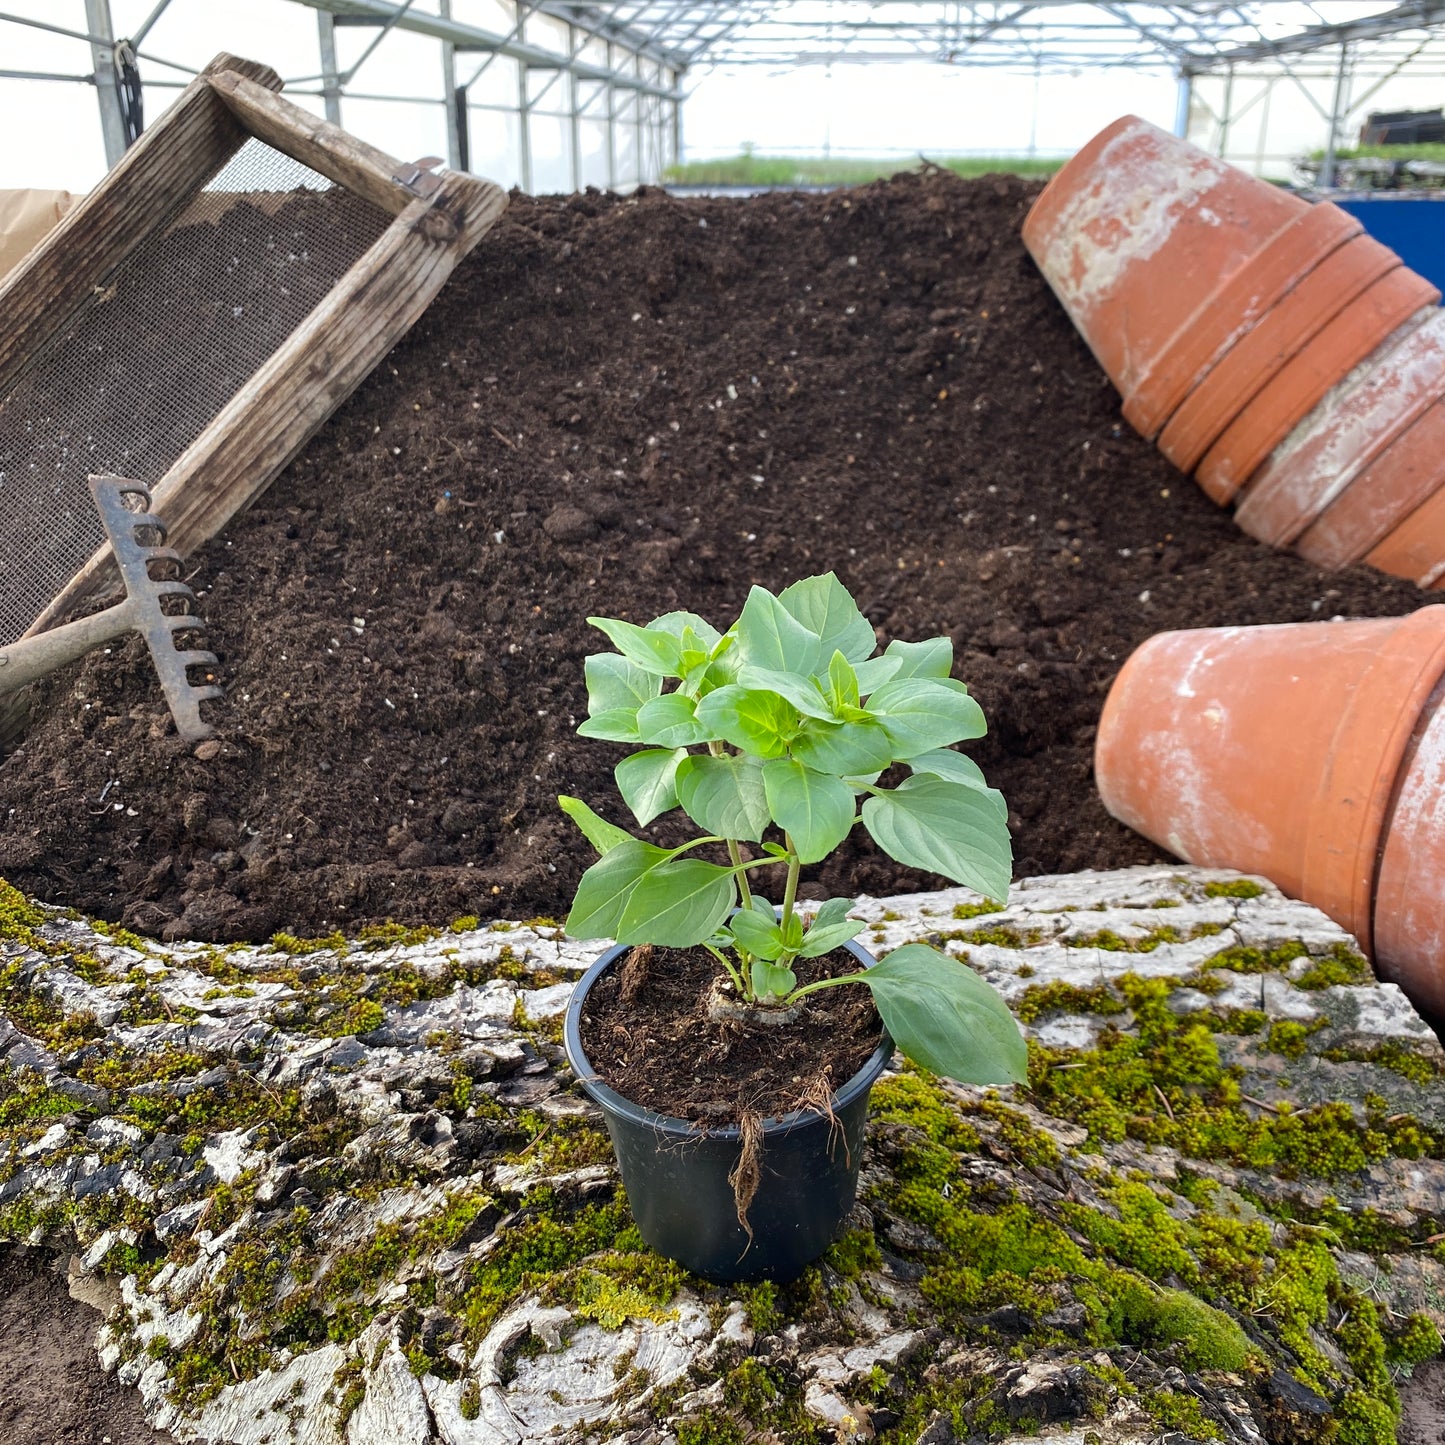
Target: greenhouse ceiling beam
{"type": "Point", "coordinates": [472, 37]}
{"type": "Point", "coordinates": [1413, 15]}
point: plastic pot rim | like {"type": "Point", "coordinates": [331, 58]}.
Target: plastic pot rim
{"type": "Point", "coordinates": [682, 1129]}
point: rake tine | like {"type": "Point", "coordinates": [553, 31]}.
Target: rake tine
{"type": "Point", "coordinates": [197, 659]}
{"type": "Point", "coordinates": [181, 621]}
{"type": "Point", "coordinates": [158, 554]}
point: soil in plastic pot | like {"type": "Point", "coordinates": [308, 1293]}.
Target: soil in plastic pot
{"type": "Point", "coordinates": [739, 1144]}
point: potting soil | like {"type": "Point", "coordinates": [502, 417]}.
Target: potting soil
{"type": "Point", "coordinates": [620, 407]}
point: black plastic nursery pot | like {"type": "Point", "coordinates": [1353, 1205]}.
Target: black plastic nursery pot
{"type": "Point", "coordinates": [676, 1173]}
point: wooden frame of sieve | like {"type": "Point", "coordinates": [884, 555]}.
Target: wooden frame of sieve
{"type": "Point", "coordinates": [436, 220]}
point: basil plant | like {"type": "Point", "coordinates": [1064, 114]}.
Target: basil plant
{"type": "Point", "coordinates": [770, 734]}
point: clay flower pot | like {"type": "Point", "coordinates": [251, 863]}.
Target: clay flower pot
{"type": "Point", "coordinates": [1416, 548]}
{"type": "Point", "coordinates": [676, 1175]}
{"type": "Point", "coordinates": [1136, 234]}
{"type": "Point", "coordinates": [1232, 311]}
{"type": "Point", "coordinates": [1365, 330]}
{"type": "Point", "coordinates": [1277, 337]}
{"type": "Point", "coordinates": [1360, 463]}
{"type": "Point", "coordinates": [1273, 750]}
{"type": "Point", "coordinates": [1410, 897]}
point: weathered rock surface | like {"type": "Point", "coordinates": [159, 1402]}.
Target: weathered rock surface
{"type": "Point", "coordinates": [344, 1194]}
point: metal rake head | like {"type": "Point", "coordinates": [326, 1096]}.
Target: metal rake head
{"type": "Point", "coordinates": [143, 601]}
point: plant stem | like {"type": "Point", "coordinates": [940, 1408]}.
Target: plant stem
{"type": "Point", "coordinates": [790, 893]}
{"type": "Point", "coordinates": [735, 853]}
{"type": "Point", "coordinates": [813, 987]}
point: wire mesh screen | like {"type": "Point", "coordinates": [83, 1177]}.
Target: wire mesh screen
{"type": "Point", "coordinates": [157, 352]}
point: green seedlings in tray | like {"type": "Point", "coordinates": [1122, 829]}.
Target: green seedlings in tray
{"type": "Point", "coordinates": [769, 735]}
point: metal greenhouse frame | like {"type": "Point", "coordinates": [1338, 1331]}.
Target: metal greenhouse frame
{"type": "Point", "coordinates": [610, 76]}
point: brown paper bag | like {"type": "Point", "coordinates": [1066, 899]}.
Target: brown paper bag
{"type": "Point", "coordinates": [26, 217]}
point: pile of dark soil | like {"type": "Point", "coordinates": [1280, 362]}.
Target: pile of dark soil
{"type": "Point", "coordinates": [621, 407]}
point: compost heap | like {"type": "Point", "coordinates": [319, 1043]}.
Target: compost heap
{"type": "Point", "coordinates": [620, 407]}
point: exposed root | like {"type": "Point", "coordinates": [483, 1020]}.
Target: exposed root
{"type": "Point", "coordinates": [635, 969]}
{"type": "Point", "coordinates": [818, 1096]}
{"type": "Point", "coordinates": [747, 1173]}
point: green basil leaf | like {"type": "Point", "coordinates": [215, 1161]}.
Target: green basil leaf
{"type": "Point", "coordinates": [931, 658]}
{"type": "Point", "coordinates": [607, 886]}
{"type": "Point", "coordinates": [957, 768]}
{"type": "Point", "coordinates": [617, 725]}
{"type": "Point", "coordinates": [677, 903]}
{"type": "Point", "coordinates": [793, 933]}
{"type": "Point", "coordinates": [844, 681]}
{"type": "Point", "coordinates": [771, 981]}
{"type": "Point", "coordinates": [824, 606]}
{"type": "Point", "coordinates": [816, 811]}
{"type": "Point", "coordinates": [831, 928]}
{"type": "Point", "coordinates": [760, 723]}
{"type": "Point", "coordinates": [802, 692]}
{"type": "Point", "coordinates": [648, 782]}
{"type": "Point", "coordinates": [614, 683]}
{"type": "Point", "coordinates": [923, 713]}
{"type": "Point", "coordinates": [843, 749]}
{"type": "Point", "coordinates": [601, 834]}
{"type": "Point", "coordinates": [724, 796]}
{"type": "Point", "coordinates": [677, 624]}
{"type": "Point", "coordinates": [655, 652]}
{"type": "Point", "coordinates": [670, 721]}
{"type": "Point", "coordinates": [761, 937]}
{"type": "Point", "coordinates": [950, 828]}
{"type": "Point", "coordinates": [873, 672]}
{"type": "Point", "coordinates": [946, 1018]}
{"type": "Point", "coordinates": [769, 636]}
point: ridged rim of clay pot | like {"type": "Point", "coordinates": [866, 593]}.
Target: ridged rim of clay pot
{"type": "Point", "coordinates": [1256, 359]}
{"type": "Point", "coordinates": [1233, 309]}
{"type": "Point", "coordinates": [1135, 227]}
{"type": "Point", "coordinates": [1408, 668]}
{"type": "Point", "coordinates": [1376, 321]}
{"type": "Point", "coordinates": [1409, 929]}
{"type": "Point", "coordinates": [1338, 459]}
{"type": "Point", "coordinates": [1416, 548]}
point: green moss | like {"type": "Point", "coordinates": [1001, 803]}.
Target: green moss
{"type": "Point", "coordinates": [1207, 1339]}
{"type": "Point", "coordinates": [1247, 959]}
{"type": "Point", "coordinates": [1364, 1420]}
{"type": "Point", "coordinates": [1341, 965]}
{"type": "Point", "coordinates": [1413, 1342]}
{"type": "Point", "coordinates": [962, 911]}
{"type": "Point", "coordinates": [1234, 888]}
{"type": "Point", "coordinates": [854, 1254]}
{"type": "Point", "coordinates": [1396, 1055]}
{"type": "Point", "coordinates": [1060, 997]}
{"type": "Point", "coordinates": [1112, 942]}
{"type": "Point", "coordinates": [1288, 1037]}
{"type": "Point", "coordinates": [611, 1303]}
{"type": "Point", "coordinates": [760, 1304]}
{"type": "Point", "coordinates": [1183, 1413]}
{"type": "Point", "coordinates": [469, 1403]}
{"type": "Point", "coordinates": [294, 947]}
{"type": "Point", "coordinates": [711, 1430]}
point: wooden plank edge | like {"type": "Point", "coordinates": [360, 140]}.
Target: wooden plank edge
{"type": "Point", "coordinates": [336, 154]}
{"type": "Point", "coordinates": [471, 207]}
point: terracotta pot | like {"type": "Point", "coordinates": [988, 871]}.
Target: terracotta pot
{"type": "Point", "coordinates": [1272, 750]}
{"type": "Point", "coordinates": [1410, 897]}
{"type": "Point", "coordinates": [1416, 548]}
{"type": "Point", "coordinates": [1137, 229]}
{"type": "Point", "coordinates": [1257, 358]}
{"type": "Point", "coordinates": [1339, 465]}
{"type": "Point", "coordinates": [1233, 309]}
{"type": "Point", "coordinates": [1365, 330]}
